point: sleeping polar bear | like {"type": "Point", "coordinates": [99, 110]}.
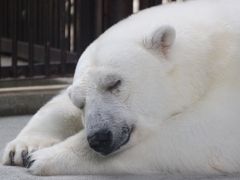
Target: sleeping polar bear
{"type": "Point", "coordinates": [158, 92]}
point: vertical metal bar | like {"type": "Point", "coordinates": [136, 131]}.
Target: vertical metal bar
{"type": "Point", "coordinates": [99, 8]}
{"type": "Point", "coordinates": [62, 36]}
{"type": "Point", "coordinates": [1, 53]}
{"type": "Point", "coordinates": [68, 24]}
{"type": "Point", "coordinates": [13, 10]}
{"type": "Point", "coordinates": [1, 33]}
{"type": "Point", "coordinates": [71, 26]}
{"type": "Point", "coordinates": [148, 3]}
{"type": "Point", "coordinates": [75, 24]}
{"type": "Point", "coordinates": [34, 18]}
{"type": "Point", "coordinates": [3, 17]}
{"type": "Point", "coordinates": [42, 24]}
{"type": "Point", "coordinates": [77, 16]}
{"type": "Point", "coordinates": [24, 21]}
{"type": "Point", "coordinates": [85, 24]}
{"type": "Point", "coordinates": [47, 8]}
{"type": "Point", "coordinates": [30, 37]}
{"type": "Point", "coordinates": [51, 21]}
{"type": "Point", "coordinates": [56, 24]}
{"type": "Point", "coordinates": [22, 13]}
{"type": "Point", "coordinates": [19, 20]}
{"type": "Point", "coordinates": [7, 22]}
{"type": "Point", "coordinates": [117, 10]}
{"type": "Point", "coordinates": [37, 22]}
{"type": "Point", "coordinates": [143, 4]}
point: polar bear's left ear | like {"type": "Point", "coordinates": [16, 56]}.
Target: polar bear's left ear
{"type": "Point", "coordinates": [162, 39]}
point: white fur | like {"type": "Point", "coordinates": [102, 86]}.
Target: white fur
{"type": "Point", "coordinates": [184, 99]}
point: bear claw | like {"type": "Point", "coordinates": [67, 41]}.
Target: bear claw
{"type": "Point", "coordinates": [30, 164]}
{"type": "Point", "coordinates": [11, 156]}
{"type": "Point", "coordinates": [25, 158]}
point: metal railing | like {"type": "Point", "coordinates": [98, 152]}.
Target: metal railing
{"type": "Point", "coordinates": [46, 37]}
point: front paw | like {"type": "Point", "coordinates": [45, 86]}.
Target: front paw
{"type": "Point", "coordinates": [38, 162]}
{"type": "Point", "coordinates": [16, 151]}
{"type": "Point", "coordinates": [48, 161]}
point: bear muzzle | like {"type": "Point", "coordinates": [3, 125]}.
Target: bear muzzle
{"type": "Point", "coordinates": [104, 142]}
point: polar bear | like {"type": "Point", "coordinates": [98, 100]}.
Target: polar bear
{"type": "Point", "coordinates": [156, 93]}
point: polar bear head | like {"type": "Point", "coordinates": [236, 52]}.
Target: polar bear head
{"type": "Point", "coordinates": [125, 86]}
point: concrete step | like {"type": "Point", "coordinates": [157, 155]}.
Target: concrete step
{"type": "Point", "coordinates": [28, 98]}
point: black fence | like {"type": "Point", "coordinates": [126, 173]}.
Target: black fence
{"type": "Point", "coordinates": [46, 37]}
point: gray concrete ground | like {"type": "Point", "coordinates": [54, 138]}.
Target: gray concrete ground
{"type": "Point", "coordinates": [15, 95]}
{"type": "Point", "coordinates": [10, 127]}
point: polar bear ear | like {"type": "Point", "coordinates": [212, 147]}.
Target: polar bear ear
{"type": "Point", "coordinates": [162, 38]}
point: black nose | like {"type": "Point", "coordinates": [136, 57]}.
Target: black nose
{"type": "Point", "coordinates": [101, 141]}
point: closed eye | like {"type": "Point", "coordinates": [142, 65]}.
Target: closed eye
{"type": "Point", "coordinates": [114, 85]}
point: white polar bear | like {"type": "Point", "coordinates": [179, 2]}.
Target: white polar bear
{"type": "Point", "coordinates": [158, 92]}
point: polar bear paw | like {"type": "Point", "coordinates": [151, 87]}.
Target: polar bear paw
{"type": "Point", "coordinates": [17, 150]}
{"type": "Point", "coordinates": [39, 162]}
{"type": "Point", "coordinates": [49, 161]}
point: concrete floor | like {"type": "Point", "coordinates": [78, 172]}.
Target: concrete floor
{"type": "Point", "coordinates": [10, 127]}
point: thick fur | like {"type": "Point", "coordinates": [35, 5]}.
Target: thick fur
{"type": "Point", "coordinates": [179, 67]}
